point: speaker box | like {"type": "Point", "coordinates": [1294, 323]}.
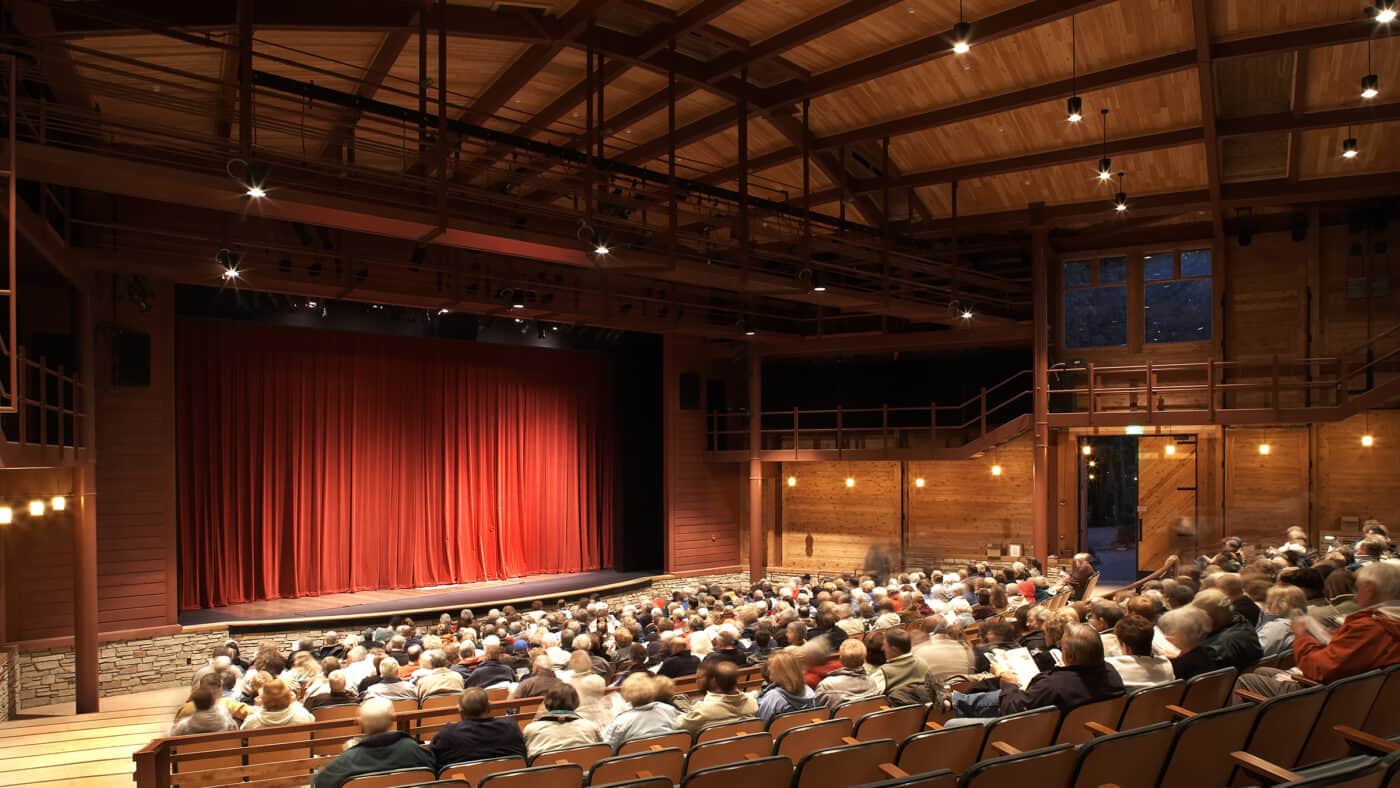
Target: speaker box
{"type": "Point", "coordinates": [690, 391]}
{"type": "Point", "coordinates": [131, 359]}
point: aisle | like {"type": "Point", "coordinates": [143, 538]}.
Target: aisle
{"type": "Point", "coordinates": [52, 746]}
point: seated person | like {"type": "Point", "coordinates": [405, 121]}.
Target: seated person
{"type": "Point", "coordinates": [995, 635]}
{"type": "Point", "coordinates": [559, 725]}
{"type": "Point", "coordinates": [647, 715]}
{"type": "Point", "coordinates": [492, 672]}
{"type": "Point", "coordinates": [277, 706]}
{"type": "Point", "coordinates": [380, 749]}
{"type": "Point", "coordinates": [1084, 678]}
{"type": "Point", "coordinates": [209, 715]}
{"type": "Point", "coordinates": [336, 694]}
{"type": "Point", "coordinates": [390, 685]}
{"type": "Point", "coordinates": [1136, 665]}
{"type": "Point", "coordinates": [723, 702]}
{"type": "Point", "coordinates": [479, 735]}
{"type": "Point", "coordinates": [541, 678]}
{"type": "Point", "coordinates": [1368, 639]}
{"type": "Point", "coordinates": [901, 667]}
{"type": "Point", "coordinates": [1281, 606]}
{"type": "Point", "coordinates": [681, 662]}
{"type": "Point", "coordinates": [786, 691]}
{"type": "Point", "coordinates": [850, 681]}
{"type": "Point", "coordinates": [1232, 641]}
{"type": "Point", "coordinates": [1104, 615]}
{"type": "Point", "coordinates": [1185, 628]}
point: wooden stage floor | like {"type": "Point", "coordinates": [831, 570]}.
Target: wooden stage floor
{"type": "Point", "coordinates": [360, 605]}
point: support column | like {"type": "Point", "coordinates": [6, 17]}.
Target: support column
{"type": "Point", "coordinates": [1040, 311]}
{"type": "Point", "coordinates": [84, 514]}
{"type": "Point", "coordinates": [756, 563]}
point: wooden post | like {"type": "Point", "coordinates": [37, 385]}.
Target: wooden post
{"type": "Point", "coordinates": [756, 564]}
{"type": "Point", "coordinates": [84, 588]}
{"type": "Point", "coordinates": [1090, 384]}
{"type": "Point", "coordinates": [1149, 391]}
{"type": "Point", "coordinates": [1040, 392]}
{"type": "Point", "coordinates": [1210, 388]}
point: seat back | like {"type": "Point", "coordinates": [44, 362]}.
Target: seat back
{"type": "Point", "coordinates": [1201, 753]}
{"type": "Point", "coordinates": [855, 709]}
{"type": "Point", "coordinates": [1209, 691]}
{"type": "Point", "coordinates": [954, 748]}
{"type": "Point", "coordinates": [1384, 719]}
{"type": "Point", "coordinates": [1131, 759]}
{"type": "Point", "coordinates": [1283, 725]}
{"type": "Point", "coordinates": [668, 763]}
{"type": "Point", "coordinates": [498, 693]}
{"type": "Point", "coordinates": [939, 779]}
{"type": "Point", "coordinates": [1104, 712]}
{"type": "Point", "coordinates": [1361, 771]}
{"type": "Point", "coordinates": [644, 782]}
{"type": "Point", "coordinates": [1148, 706]}
{"type": "Point", "coordinates": [1050, 767]}
{"type": "Point", "coordinates": [896, 724]}
{"type": "Point", "coordinates": [563, 776]}
{"type": "Point", "coordinates": [275, 736]}
{"type": "Point", "coordinates": [392, 779]}
{"type": "Point", "coordinates": [1348, 703]}
{"type": "Point", "coordinates": [337, 734]}
{"type": "Point", "coordinates": [735, 749]}
{"type": "Point", "coordinates": [680, 741]}
{"type": "Point", "coordinates": [1028, 730]}
{"type": "Point", "coordinates": [724, 730]}
{"type": "Point", "coordinates": [847, 765]}
{"type": "Point", "coordinates": [757, 773]}
{"type": "Point", "coordinates": [583, 755]}
{"type": "Point", "coordinates": [809, 738]}
{"type": "Point", "coordinates": [340, 711]}
{"type": "Point", "coordinates": [440, 700]}
{"type": "Point", "coordinates": [473, 772]}
{"type": "Point", "coordinates": [192, 761]}
{"type": "Point", "coordinates": [786, 722]}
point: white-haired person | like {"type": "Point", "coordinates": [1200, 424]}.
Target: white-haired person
{"type": "Point", "coordinates": [646, 715]}
{"type": "Point", "coordinates": [1368, 639]}
{"type": "Point", "coordinates": [390, 685]}
{"type": "Point", "coordinates": [380, 749]}
{"type": "Point", "coordinates": [594, 704]}
{"type": "Point", "coordinates": [1078, 578]}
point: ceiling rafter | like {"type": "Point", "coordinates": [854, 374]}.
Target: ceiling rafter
{"type": "Point", "coordinates": [385, 56]}
{"type": "Point", "coordinates": [36, 21]}
{"type": "Point", "coordinates": [1205, 79]}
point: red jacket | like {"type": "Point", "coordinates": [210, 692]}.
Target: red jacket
{"type": "Point", "coordinates": [814, 674]}
{"type": "Point", "coordinates": [1368, 639]}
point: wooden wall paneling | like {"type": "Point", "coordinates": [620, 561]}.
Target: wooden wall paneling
{"type": "Point", "coordinates": [1353, 480]}
{"type": "Point", "coordinates": [1065, 461]}
{"type": "Point", "coordinates": [1265, 494]}
{"type": "Point", "coordinates": [1210, 478]}
{"type": "Point", "coordinates": [702, 499]}
{"type": "Point", "coordinates": [962, 507]}
{"type": "Point", "coordinates": [38, 555]}
{"type": "Point", "coordinates": [827, 525]}
{"type": "Point", "coordinates": [135, 474]}
{"type": "Point", "coordinates": [1166, 500]}
{"type": "Point", "coordinates": [1265, 302]}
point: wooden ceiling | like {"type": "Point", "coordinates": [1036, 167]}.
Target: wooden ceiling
{"type": "Point", "coordinates": [1213, 104]}
{"type": "Point", "coordinates": [825, 50]}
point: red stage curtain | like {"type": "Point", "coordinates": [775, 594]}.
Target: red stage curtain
{"type": "Point", "coordinates": [313, 462]}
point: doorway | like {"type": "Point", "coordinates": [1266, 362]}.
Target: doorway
{"type": "Point", "coordinates": [1139, 502]}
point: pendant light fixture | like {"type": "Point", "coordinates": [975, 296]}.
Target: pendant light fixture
{"type": "Point", "coordinates": [1120, 200]}
{"type": "Point", "coordinates": [1349, 149]}
{"type": "Point", "coordinates": [1075, 106]}
{"type": "Point", "coordinates": [1385, 11]}
{"type": "Point", "coordinates": [1106, 163]}
{"type": "Point", "coordinates": [962, 33]}
{"type": "Point", "coordinates": [1371, 83]}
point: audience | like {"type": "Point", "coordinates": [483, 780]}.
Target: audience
{"type": "Point", "coordinates": [209, 716]}
{"type": "Point", "coordinates": [479, 735]}
{"type": "Point", "coordinates": [560, 725]}
{"type": "Point", "coordinates": [901, 668]}
{"type": "Point", "coordinates": [848, 682]}
{"type": "Point", "coordinates": [722, 702]}
{"type": "Point", "coordinates": [1282, 604]}
{"type": "Point", "coordinates": [1185, 628]}
{"type": "Point", "coordinates": [646, 716]}
{"type": "Point", "coordinates": [1135, 663]}
{"type": "Point", "coordinates": [380, 749]}
{"type": "Point", "coordinates": [1231, 642]}
{"type": "Point", "coordinates": [277, 706]}
{"type": "Point", "coordinates": [785, 691]}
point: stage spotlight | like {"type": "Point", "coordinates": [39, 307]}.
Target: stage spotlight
{"type": "Point", "coordinates": [962, 38]}
{"type": "Point", "coordinates": [1074, 109]}
{"type": "Point", "coordinates": [601, 250]}
{"type": "Point", "coordinates": [59, 503]}
{"type": "Point", "coordinates": [1385, 11]}
{"type": "Point", "coordinates": [36, 508]}
{"type": "Point", "coordinates": [7, 515]}
{"type": "Point", "coordinates": [1349, 149]}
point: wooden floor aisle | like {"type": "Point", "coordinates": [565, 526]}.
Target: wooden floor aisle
{"type": "Point", "coordinates": [51, 746]}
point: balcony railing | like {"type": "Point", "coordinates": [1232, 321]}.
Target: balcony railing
{"type": "Point", "coordinates": [50, 426]}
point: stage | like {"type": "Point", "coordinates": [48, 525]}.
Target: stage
{"type": "Point", "coordinates": [357, 606]}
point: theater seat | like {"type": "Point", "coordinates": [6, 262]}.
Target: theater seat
{"type": "Point", "coordinates": [726, 751]}
{"type": "Point", "coordinates": [847, 765]}
{"type": "Point", "coordinates": [954, 749]}
{"type": "Point", "coordinates": [724, 730]}
{"type": "Point", "coordinates": [810, 738]}
{"type": "Point", "coordinates": [786, 722]}
{"type": "Point", "coordinates": [668, 763]}
{"type": "Point", "coordinates": [562, 776]}
{"type": "Point", "coordinates": [1201, 753]}
{"type": "Point", "coordinates": [1209, 691]}
{"type": "Point", "coordinates": [768, 772]}
{"type": "Point", "coordinates": [1131, 759]}
{"type": "Point", "coordinates": [1148, 706]}
{"type": "Point", "coordinates": [1384, 719]}
{"type": "Point", "coordinates": [896, 724]}
{"type": "Point", "coordinates": [1282, 726]}
{"type": "Point", "coordinates": [679, 741]}
{"type": "Point", "coordinates": [584, 756]}
{"type": "Point", "coordinates": [1027, 730]}
{"type": "Point", "coordinates": [1105, 712]}
{"type": "Point", "coordinates": [938, 779]}
{"type": "Point", "coordinates": [392, 779]}
{"type": "Point", "coordinates": [855, 709]}
{"type": "Point", "coordinates": [1348, 703]}
{"type": "Point", "coordinates": [474, 772]}
{"type": "Point", "coordinates": [1049, 767]}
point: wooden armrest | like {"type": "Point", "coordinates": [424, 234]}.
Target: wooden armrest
{"type": "Point", "coordinates": [933, 726]}
{"type": "Point", "coordinates": [1304, 680]}
{"type": "Point", "coordinates": [655, 747]}
{"type": "Point", "coordinates": [742, 733]}
{"type": "Point", "coordinates": [1250, 696]}
{"type": "Point", "coordinates": [561, 762]}
{"type": "Point", "coordinates": [884, 708]}
{"type": "Point", "coordinates": [1108, 785]}
{"type": "Point", "coordinates": [1099, 729]}
{"type": "Point", "coordinates": [817, 719]}
{"type": "Point", "coordinates": [1179, 711]}
{"type": "Point", "coordinates": [1366, 741]}
{"type": "Point", "coordinates": [893, 771]}
{"type": "Point", "coordinates": [1005, 749]}
{"type": "Point", "coordinates": [749, 756]}
{"type": "Point", "coordinates": [1265, 768]}
{"type": "Point", "coordinates": [850, 740]}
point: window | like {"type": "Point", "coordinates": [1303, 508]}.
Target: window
{"type": "Point", "coordinates": [1177, 296]}
{"type": "Point", "coordinates": [1096, 302]}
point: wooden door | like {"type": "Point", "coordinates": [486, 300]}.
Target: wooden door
{"type": "Point", "coordinates": [1166, 499]}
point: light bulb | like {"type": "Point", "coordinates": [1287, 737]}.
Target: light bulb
{"type": "Point", "coordinates": [59, 503]}
{"type": "Point", "coordinates": [1265, 449]}
{"type": "Point", "coordinates": [1370, 86]}
{"type": "Point", "coordinates": [792, 481]}
{"type": "Point", "coordinates": [850, 481]}
{"type": "Point", "coordinates": [1385, 11]}
{"type": "Point", "coordinates": [962, 38]}
{"type": "Point", "coordinates": [1074, 109]}
{"type": "Point", "coordinates": [7, 515]}
{"type": "Point", "coordinates": [231, 274]}
{"type": "Point", "coordinates": [1170, 449]}
{"type": "Point", "coordinates": [36, 508]}
{"type": "Point", "coordinates": [919, 482]}
{"type": "Point", "coordinates": [601, 249]}
{"type": "Point", "coordinates": [1368, 440]}
{"type": "Point", "coordinates": [1120, 202]}
{"type": "Point", "coordinates": [256, 192]}
{"type": "Point", "coordinates": [1087, 449]}
{"type": "Point", "coordinates": [996, 470]}
{"type": "Point", "coordinates": [966, 314]}
{"type": "Point", "coordinates": [1349, 149]}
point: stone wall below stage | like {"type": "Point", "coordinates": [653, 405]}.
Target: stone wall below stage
{"type": "Point", "coordinates": [44, 676]}
{"type": "Point", "coordinates": [7, 665]}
